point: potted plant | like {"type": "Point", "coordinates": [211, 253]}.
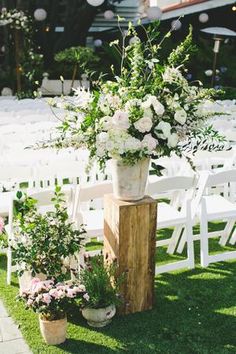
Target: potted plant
{"type": "Point", "coordinates": [142, 114]}
{"type": "Point", "coordinates": [42, 242]}
{"type": "Point", "coordinates": [79, 57]}
{"type": "Point", "coordinates": [102, 286]}
{"type": "Point", "coordinates": [52, 301]}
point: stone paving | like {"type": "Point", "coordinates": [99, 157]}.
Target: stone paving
{"type": "Point", "coordinates": [11, 340]}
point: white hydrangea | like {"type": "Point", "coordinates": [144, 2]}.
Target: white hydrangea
{"type": "Point", "coordinates": [115, 144]}
{"type": "Point", "coordinates": [180, 116]}
{"type": "Point", "coordinates": [102, 137]}
{"type": "Point", "coordinates": [143, 125]}
{"type": "Point", "coordinates": [132, 144]}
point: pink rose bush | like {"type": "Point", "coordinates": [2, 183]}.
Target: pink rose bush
{"type": "Point", "coordinates": [50, 299]}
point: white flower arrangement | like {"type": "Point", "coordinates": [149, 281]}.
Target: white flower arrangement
{"type": "Point", "coordinates": [16, 19]}
{"type": "Point", "coordinates": [145, 112]}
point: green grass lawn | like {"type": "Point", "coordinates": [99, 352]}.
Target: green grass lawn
{"type": "Point", "coordinates": [194, 312]}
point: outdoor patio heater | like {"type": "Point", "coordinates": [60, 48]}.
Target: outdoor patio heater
{"type": "Point", "coordinates": [218, 34]}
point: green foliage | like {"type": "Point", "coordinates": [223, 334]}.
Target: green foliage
{"type": "Point", "coordinates": [42, 242]}
{"type": "Point", "coordinates": [193, 312]}
{"type": "Point", "coordinates": [80, 58]}
{"type": "Point", "coordinates": [20, 45]}
{"type": "Point", "coordinates": [101, 282]}
{"type": "Point", "coordinates": [146, 110]}
{"type": "Point", "coordinates": [182, 53]}
{"type": "Point", "coordinates": [77, 55]}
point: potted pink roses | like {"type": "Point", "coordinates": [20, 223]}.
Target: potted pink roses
{"type": "Point", "coordinates": [52, 302]}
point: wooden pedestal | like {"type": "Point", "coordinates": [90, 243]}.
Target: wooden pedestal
{"type": "Point", "coordinates": [130, 237]}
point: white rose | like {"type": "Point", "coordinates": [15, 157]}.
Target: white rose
{"type": "Point", "coordinates": [149, 142]}
{"type": "Point", "coordinates": [165, 128]}
{"type": "Point", "coordinates": [180, 116]}
{"type": "Point", "coordinates": [121, 120]}
{"type": "Point", "coordinates": [173, 140]}
{"type": "Point", "coordinates": [153, 101]}
{"type": "Point", "coordinates": [132, 143]}
{"type": "Point", "coordinates": [143, 124]}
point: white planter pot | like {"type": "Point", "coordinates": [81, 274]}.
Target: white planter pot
{"type": "Point", "coordinates": [53, 332]}
{"type": "Point", "coordinates": [99, 317]}
{"type": "Point", "coordinates": [129, 182]}
{"type": "Point", "coordinates": [25, 280]}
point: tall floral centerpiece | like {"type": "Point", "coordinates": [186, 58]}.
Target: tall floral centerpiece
{"type": "Point", "coordinates": [142, 114]}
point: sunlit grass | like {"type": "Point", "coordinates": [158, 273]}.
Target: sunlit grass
{"type": "Point", "coordinates": [194, 312]}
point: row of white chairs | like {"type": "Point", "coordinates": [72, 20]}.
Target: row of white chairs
{"type": "Point", "coordinates": [190, 204]}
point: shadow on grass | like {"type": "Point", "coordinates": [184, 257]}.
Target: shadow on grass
{"type": "Point", "coordinates": [194, 312]}
{"type": "Point", "coordinates": [80, 346]}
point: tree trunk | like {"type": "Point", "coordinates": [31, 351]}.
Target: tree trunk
{"type": "Point", "coordinates": [74, 75]}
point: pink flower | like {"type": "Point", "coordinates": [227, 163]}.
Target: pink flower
{"type": "Point", "coordinates": [86, 297]}
{"type": "Point", "coordinates": [46, 298]}
{"type": "Point", "coordinates": [48, 283]}
{"type": "Point", "coordinates": [61, 293]}
{"type": "Point", "coordinates": [80, 288]}
{"type": "Point", "coordinates": [35, 281]}
{"type": "Point", "coordinates": [30, 302]}
{"type": "Point", "coordinates": [54, 293]}
{"type": "Point", "coordinates": [71, 293]}
{"type": "Point", "coordinates": [1, 224]}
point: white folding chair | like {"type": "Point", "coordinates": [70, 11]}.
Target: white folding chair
{"type": "Point", "coordinates": [180, 217]}
{"type": "Point", "coordinates": [13, 177]}
{"type": "Point", "coordinates": [93, 219]}
{"type": "Point", "coordinates": [217, 207]}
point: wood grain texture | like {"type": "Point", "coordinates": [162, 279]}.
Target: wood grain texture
{"type": "Point", "coordinates": [130, 237]}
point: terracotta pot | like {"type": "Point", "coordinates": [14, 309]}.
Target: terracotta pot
{"type": "Point", "coordinates": [129, 182]}
{"type": "Point", "coordinates": [53, 332]}
{"type": "Point", "coordinates": [99, 317]}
